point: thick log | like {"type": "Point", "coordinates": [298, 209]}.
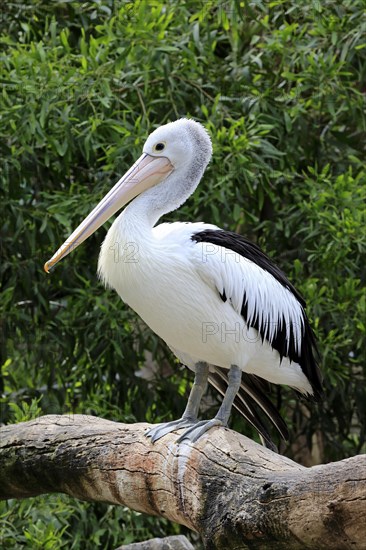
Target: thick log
{"type": "Point", "coordinates": [235, 493]}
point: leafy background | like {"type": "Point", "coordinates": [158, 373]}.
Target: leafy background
{"type": "Point", "coordinates": [281, 88]}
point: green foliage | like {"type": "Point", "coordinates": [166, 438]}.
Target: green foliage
{"type": "Point", "coordinates": [280, 87]}
{"type": "Point", "coordinates": [25, 411]}
{"type": "Point", "coordinates": [57, 521]}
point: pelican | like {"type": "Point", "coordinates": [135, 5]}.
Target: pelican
{"type": "Point", "coordinates": [221, 305]}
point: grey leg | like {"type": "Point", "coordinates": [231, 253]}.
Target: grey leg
{"type": "Point", "coordinates": [197, 391]}
{"type": "Point", "coordinates": [224, 411]}
{"type": "Point", "coordinates": [222, 417]}
{"type": "Point", "coordinates": [190, 414]}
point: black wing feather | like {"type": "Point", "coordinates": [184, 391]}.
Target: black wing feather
{"type": "Point", "coordinates": [307, 358]}
{"type": "Point", "coordinates": [247, 400]}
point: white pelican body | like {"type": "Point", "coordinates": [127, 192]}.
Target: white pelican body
{"type": "Point", "coordinates": [219, 303]}
{"type": "Point", "coordinates": [173, 284]}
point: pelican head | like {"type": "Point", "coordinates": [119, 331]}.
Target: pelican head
{"type": "Point", "coordinates": [182, 147]}
{"type": "Point", "coordinates": [184, 142]}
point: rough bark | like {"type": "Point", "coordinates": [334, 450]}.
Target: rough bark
{"type": "Point", "coordinates": [233, 492]}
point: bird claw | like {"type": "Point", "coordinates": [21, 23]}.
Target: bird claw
{"type": "Point", "coordinates": [165, 428]}
{"type": "Point", "coordinates": [194, 432]}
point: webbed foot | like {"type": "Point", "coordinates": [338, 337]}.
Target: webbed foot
{"type": "Point", "coordinates": [199, 428]}
{"type": "Point", "coordinates": [165, 428]}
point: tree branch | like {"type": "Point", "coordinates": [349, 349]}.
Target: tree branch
{"type": "Point", "coordinates": [232, 491]}
{"type": "Point", "coordinates": [174, 542]}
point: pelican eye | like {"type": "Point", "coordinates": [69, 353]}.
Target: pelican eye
{"type": "Point", "coordinates": [159, 147]}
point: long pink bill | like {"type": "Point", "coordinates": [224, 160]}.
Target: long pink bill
{"type": "Point", "coordinates": [145, 173]}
